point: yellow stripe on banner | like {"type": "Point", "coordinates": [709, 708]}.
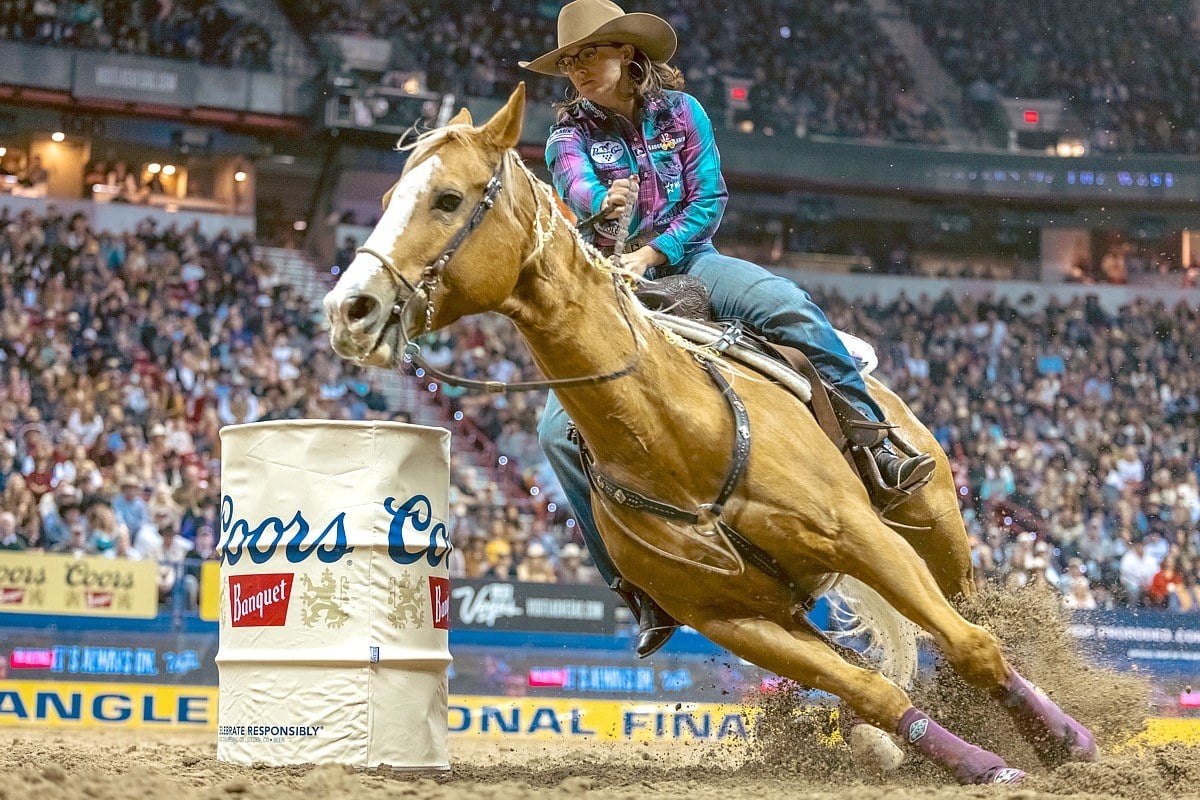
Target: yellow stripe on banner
{"type": "Point", "coordinates": [612, 720]}
{"type": "Point", "coordinates": [1162, 730]}
{"type": "Point", "coordinates": [121, 705]}
{"type": "Point", "coordinates": [210, 590]}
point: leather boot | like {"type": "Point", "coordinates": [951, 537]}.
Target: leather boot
{"type": "Point", "coordinates": [901, 472]}
{"type": "Point", "coordinates": [655, 626]}
{"type": "Point", "coordinates": [891, 478]}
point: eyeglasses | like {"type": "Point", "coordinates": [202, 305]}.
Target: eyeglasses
{"type": "Point", "coordinates": [584, 58]}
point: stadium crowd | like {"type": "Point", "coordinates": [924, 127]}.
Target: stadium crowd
{"type": "Point", "coordinates": [194, 30]}
{"type": "Point", "coordinates": [806, 66]}
{"type": "Point", "coordinates": [121, 356]}
{"type": "Point", "coordinates": [1074, 434]}
{"type": "Point", "coordinates": [1129, 69]}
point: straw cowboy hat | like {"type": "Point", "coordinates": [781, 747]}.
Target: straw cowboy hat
{"type": "Point", "coordinates": [590, 21]}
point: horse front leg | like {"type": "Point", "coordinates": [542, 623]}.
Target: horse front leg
{"type": "Point", "coordinates": [798, 652]}
{"type": "Point", "coordinates": [879, 557]}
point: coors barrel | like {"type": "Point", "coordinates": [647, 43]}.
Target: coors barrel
{"type": "Point", "coordinates": [335, 589]}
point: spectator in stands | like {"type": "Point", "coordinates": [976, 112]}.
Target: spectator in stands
{"type": "Point", "coordinates": [1166, 582]}
{"type": "Point", "coordinates": [500, 558]}
{"type": "Point", "coordinates": [124, 183]}
{"type": "Point", "coordinates": [1185, 595]}
{"type": "Point", "coordinates": [570, 567]}
{"type": "Point", "coordinates": [203, 550]}
{"type": "Point", "coordinates": [130, 506]}
{"type": "Point", "coordinates": [1137, 572]}
{"type": "Point", "coordinates": [9, 538]}
{"type": "Point", "coordinates": [1079, 597]}
{"type": "Point", "coordinates": [536, 567]}
{"type": "Point", "coordinates": [35, 175]}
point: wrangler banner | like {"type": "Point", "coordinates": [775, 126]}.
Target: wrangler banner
{"type": "Point", "coordinates": [105, 705]}
{"type": "Point", "coordinates": [33, 583]}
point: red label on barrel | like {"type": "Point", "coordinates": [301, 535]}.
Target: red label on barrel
{"type": "Point", "coordinates": [260, 601]}
{"type": "Point", "coordinates": [439, 593]}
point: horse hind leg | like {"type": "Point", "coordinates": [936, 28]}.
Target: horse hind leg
{"type": "Point", "coordinates": [880, 558]}
{"type": "Point", "coordinates": [795, 650]}
{"type": "Point", "coordinates": [936, 531]}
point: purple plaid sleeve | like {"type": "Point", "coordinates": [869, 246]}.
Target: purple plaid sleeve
{"type": "Point", "coordinates": [574, 178]}
{"type": "Point", "coordinates": [704, 192]}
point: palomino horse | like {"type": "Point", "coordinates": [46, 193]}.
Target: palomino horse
{"type": "Point", "coordinates": [653, 420]}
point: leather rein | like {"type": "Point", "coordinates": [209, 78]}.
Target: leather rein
{"type": "Point", "coordinates": [431, 276]}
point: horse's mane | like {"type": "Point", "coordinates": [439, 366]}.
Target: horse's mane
{"type": "Point", "coordinates": [425, 143]}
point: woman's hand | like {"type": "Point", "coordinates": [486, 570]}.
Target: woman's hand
{"type": "Point", "coordinates": [642, 259]}
{"type": "Point", "coordinates": [621, 192]}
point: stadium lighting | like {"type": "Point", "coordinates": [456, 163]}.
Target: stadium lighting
{"type": "Point", "coordinates": [239, 176]}
{"type": "Point", "coordinates": [3, 152]}
{"type": "Point", "coordinates": [299, 225]}
{"type": "Point", "coordinates": [169, 169]}
{"type": "Point", "coordinates": [58, 136]}
{"type": "Point", "coordinates": [154, 168]}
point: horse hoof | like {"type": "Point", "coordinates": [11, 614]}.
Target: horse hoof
{"type": "Point", "coordinates": [875, 748]}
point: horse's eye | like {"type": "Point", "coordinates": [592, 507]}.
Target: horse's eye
{"type": "Point", "coordinates": [448, 201]}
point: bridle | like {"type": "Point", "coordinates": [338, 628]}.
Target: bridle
{"type": "Point", "coordinates": [431, 277]}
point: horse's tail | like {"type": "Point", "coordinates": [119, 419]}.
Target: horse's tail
{"type": "Point", "coordinates": [892, 642]}
{"type": "Point", "coordinates": [891, 638]}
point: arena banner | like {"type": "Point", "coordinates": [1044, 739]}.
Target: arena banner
{"type": "Point", "coordinates": [609, 720]}
{"type": "Point", "coordinates": [119, 77]}
{"type": "Point", "coordinates": [1158, 643]}
{"type": "Point", "coordinates": [602, 674]}
{"type": "Point", "coordinates": [35, 654]}
{"type": "Point", "coordinates": [104, 705]}
{"type": "Point", "coordinates": [34, 583]}
{"type": "Point", "coordinates": [107, 705]}
{"type": "Point", "coordinates": [535, 607]}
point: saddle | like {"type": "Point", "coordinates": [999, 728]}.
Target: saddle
{"type": "Point", "coordinates": [846, 427]}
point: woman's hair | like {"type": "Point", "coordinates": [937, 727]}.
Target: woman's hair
{"type": "Point", "coordinates": [657, 77]}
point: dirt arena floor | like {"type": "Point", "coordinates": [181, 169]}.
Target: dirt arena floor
{"type": "Point", "coordinates": [787, 758]}
{"type": "Point", "coordinates": [45, 764]}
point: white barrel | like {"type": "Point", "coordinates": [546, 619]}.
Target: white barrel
{"type": "Point", "coordinates": [335, 591]}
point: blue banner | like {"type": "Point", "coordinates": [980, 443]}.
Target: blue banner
{"type": "Point", "coordinates": [1160, 643]}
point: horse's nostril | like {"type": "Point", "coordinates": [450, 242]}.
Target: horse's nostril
{"type": "Point", "coordinates": [360, 308]}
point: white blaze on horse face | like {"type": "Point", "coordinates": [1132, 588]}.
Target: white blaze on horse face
{"type": "Point", "coordinates": [392, 225]}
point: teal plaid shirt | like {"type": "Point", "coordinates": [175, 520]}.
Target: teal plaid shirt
{"type": "Point", "coordinates": [682, 193]}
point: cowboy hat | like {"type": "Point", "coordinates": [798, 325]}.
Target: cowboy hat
{"type": "Point", "coordinates": [587, 21]}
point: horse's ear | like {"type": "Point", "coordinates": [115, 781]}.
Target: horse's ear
{"type": "Point", "coordinates": [463, 117]}
{"type": "Point", "coordinates": [503, 130]}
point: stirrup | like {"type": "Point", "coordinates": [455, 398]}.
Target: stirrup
{"type": "Point", "coordinates": [884, 496]}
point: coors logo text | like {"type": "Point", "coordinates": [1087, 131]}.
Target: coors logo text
{"type": "Point", "coordinates": [260, 541]}
{"type": "Point", "coordinates": [81, 573]}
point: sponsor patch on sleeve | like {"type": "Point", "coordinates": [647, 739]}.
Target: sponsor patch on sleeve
{"type": "Point", "coordinates": [560, 135]}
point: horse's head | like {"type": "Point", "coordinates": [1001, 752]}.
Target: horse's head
{"type": "Point", "coordinates": [426, 243]}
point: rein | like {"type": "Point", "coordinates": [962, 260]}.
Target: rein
{"type": "Point", "coordinates": [431, 276]}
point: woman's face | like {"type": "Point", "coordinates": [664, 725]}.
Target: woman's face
{"type": "Point", "coordinates": [599, 80]}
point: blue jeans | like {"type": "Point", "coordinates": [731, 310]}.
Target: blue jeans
{"type": "Point", "coordinates": [777, 308]}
